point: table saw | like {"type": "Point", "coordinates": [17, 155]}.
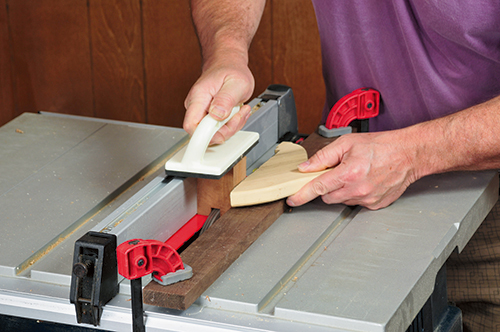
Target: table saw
{"type": "Point", "coordinates": [319, 267]}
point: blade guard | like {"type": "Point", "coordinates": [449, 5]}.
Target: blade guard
{"type": "Point", "coordinates": [138, 258]}
{"type": "Point", "coordinates": [360, 104]}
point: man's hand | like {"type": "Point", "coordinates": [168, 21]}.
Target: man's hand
{"type": "Point", "coordinates": [225, 29]}
{"type": "Point", "coordinates": [372, 170]}
{"type": "Point", "coordinates": [217, 91]}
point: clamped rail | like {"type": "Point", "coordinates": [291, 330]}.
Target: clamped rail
{"type": "Point", "coordinates": [361, 104]}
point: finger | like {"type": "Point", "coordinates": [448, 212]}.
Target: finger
{"type": "Point", "coordinates": [232, 93]}
{"type": "Point", "coordinates": [319, 186]}
{"type": "Point", "coordinates": [369, 199]}
{"type": "Point", "coordinates": [327, 157]}
{"type": "Point", "coordinates": [232, 126]}
{"type": "Point", "coordinates": [197, 103]}
{"type": "Point", "coordinates": [340, 196]}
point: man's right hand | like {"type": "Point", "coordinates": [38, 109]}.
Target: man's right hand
{"type": "Point", "coordinates": [225, 30]}
{"type": "Point", "coordinates": [222, 86]}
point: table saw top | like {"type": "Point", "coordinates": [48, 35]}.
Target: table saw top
{"type": "Point", "coordinates": [333, 268]}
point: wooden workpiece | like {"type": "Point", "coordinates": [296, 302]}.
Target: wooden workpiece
{"type": "Point", "coordinates": [216, 249]}
{"type": "Point", "coordinates": [314, 142]}
{"type": "Point", "coordinates": [213, 252]}
{"type": "Point", "coordinates": [214, 194]}
{"type": "Point", "coordinates": [277, 178]}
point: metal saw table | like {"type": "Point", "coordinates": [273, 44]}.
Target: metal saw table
{"type": "Point", "coordinates": [318, 268]}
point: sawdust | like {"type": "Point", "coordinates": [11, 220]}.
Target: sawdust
{"type": "Point", "coordinates": [117, 223]}
{"type": "Point", "coordinates": [37, 256]}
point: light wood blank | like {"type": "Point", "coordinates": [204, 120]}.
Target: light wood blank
{"type": "Point", "coordinates": [275, 179]}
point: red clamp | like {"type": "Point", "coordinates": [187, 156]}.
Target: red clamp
{"type": "Point", "coordinates": [360, 104]}
{"type": "Point", "coordinates": [137, 258]}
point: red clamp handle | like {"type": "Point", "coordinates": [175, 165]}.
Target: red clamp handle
{"type": "Point", "coordinates": [360, 104]}
{"type": "Point", "coordinates": [137, 258]}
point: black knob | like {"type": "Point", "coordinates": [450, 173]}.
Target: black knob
{"type": "Point", "coordinates": [80, 270]}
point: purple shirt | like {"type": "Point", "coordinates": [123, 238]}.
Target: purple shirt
{"type": "Point", "coordinates": [427, 58]}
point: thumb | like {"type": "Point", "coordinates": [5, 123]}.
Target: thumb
{"type": "Point", "coordinates": [327, 157]}
{"type": "Point", "coordinates": [231, 94]}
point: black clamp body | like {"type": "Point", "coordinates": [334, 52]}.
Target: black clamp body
{"type": "Point", "coordinates": [94, 279]}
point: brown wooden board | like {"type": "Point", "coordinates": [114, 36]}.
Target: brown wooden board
{"type": "Point", "coordinates": [216, 249]}
{"type": "Point", "coordinates": [316, 142]}
{"type": "Point", "coordinates": [213, 252]}
{"type": "Point", "coordinates": [214, 194]}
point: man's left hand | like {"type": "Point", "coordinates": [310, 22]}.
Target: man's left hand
{"type": "Point", "coordinates": [369, 169]}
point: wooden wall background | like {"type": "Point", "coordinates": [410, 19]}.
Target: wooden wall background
{"type": "Point", "coordinates": [135, 60]}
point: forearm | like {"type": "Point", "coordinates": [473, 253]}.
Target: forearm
{"type": "Point", "coordinates": [466, 140]}
{"type": "Point", "coordinates": [225, 30]}
{"type": "Point", "coordinates": [226, 27]}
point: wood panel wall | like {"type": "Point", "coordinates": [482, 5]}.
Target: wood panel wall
{"type": "Point", "coordinates": [135, 60]}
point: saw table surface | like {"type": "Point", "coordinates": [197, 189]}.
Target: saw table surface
{"type": "Point", "coordinates": [59, 173]}
{"type": "Point", "coordinates": [318, 267]}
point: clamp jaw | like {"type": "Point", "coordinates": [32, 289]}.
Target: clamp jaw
{"type": "Point", "coordinates": [361, 104]}
{"type": "Point", "coordinates": [138, 258]}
